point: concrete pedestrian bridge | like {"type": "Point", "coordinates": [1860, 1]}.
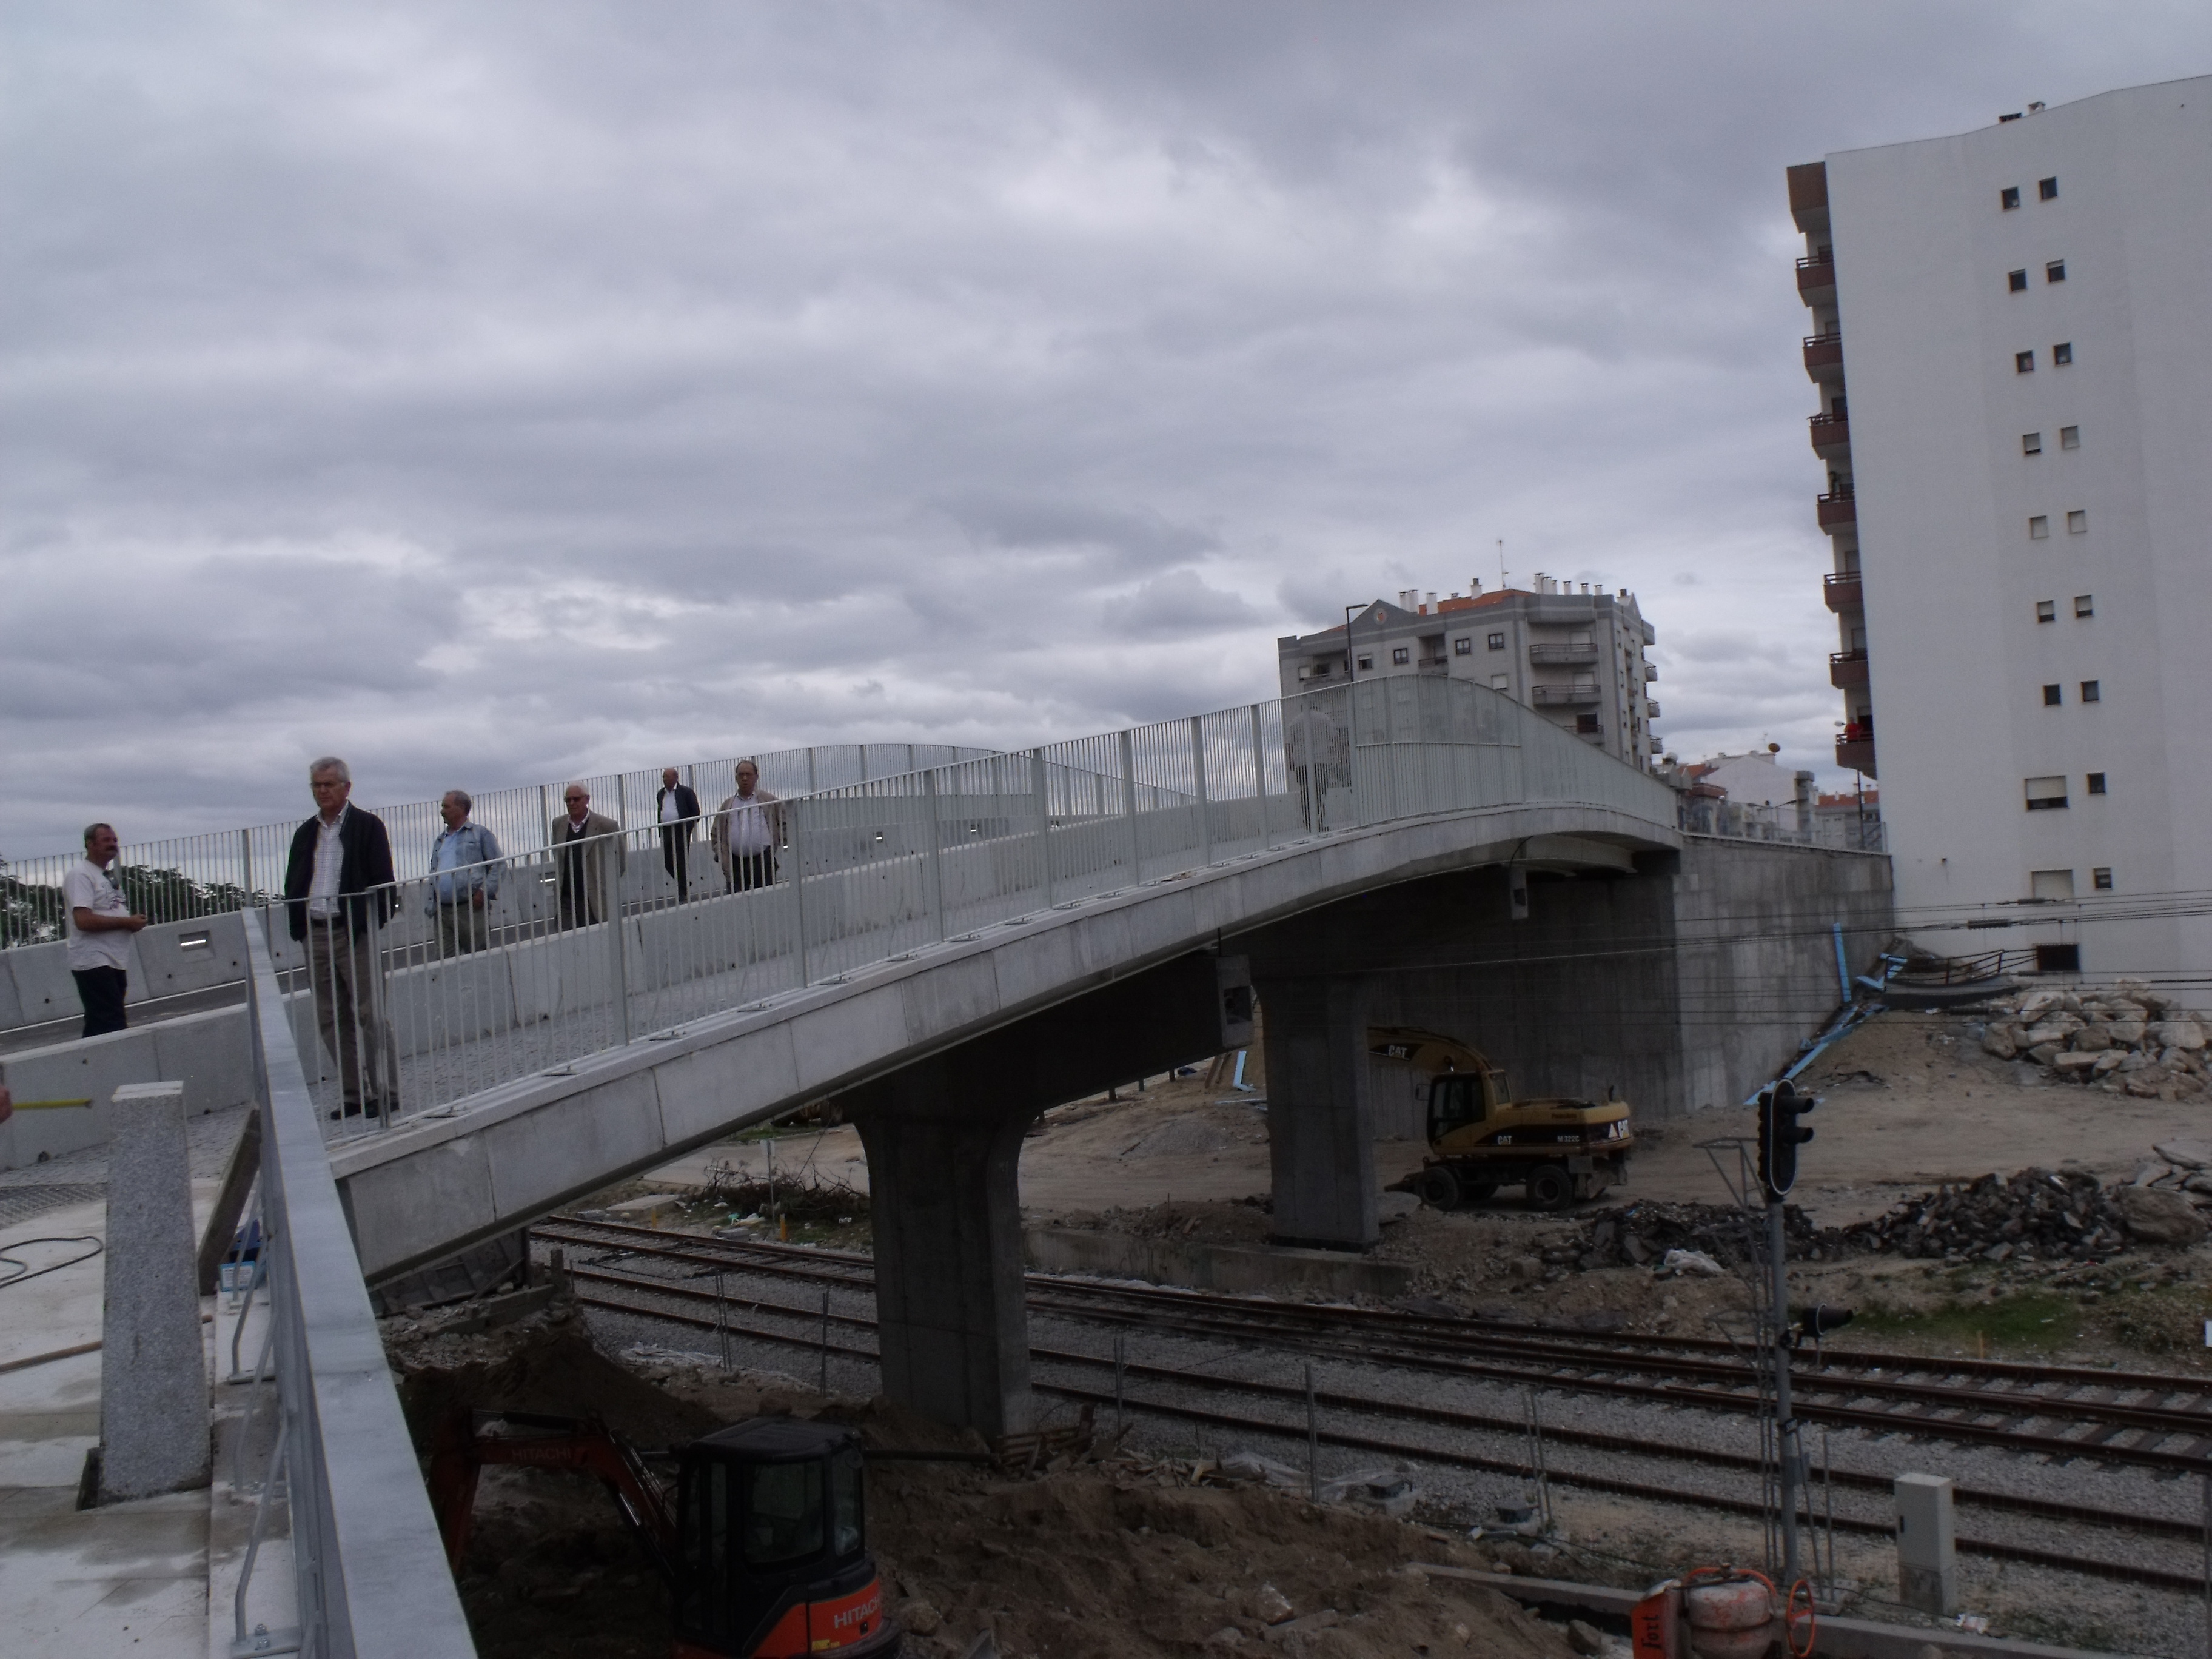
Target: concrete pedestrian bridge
{"type": "Point", "coordinates": [946, 952]}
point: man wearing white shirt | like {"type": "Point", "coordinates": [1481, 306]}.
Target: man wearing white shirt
{"type": "Point", "coordinates": [581, 842]}
{"type": "Point", "coordinates": [339, 890]}
{"type": "Point", "coordinates": [100, 923]}
{"type": "Point", "coordinates": [746, 828]}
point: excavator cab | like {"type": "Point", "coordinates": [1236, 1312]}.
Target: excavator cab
{"type": "Point", "coordinates": [773, 1559]}
{"type": "Point", "coordinates": [765, 1551]}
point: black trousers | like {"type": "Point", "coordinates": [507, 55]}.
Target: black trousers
{"type": "Point", "coordinates": [750, 869]}
{"type": "Point", "coordinates": [676, 856]}
{"type": "Point", "coordinates": [102, 990]}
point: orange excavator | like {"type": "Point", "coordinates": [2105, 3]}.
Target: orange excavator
{"type": "Point", "coordinates": [764, 1545]}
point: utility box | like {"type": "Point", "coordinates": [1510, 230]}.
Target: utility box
{"type": "Point", "coordinates": [1926, 1552]}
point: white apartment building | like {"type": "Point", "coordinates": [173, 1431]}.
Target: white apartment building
{"type": "Point", "coordinates": [1577, 658]}
{"type": "Point", "coordinates": [2011, 343]}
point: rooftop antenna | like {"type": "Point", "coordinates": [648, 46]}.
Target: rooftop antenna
{"type": "Point", "coordinates": [1501, 560]}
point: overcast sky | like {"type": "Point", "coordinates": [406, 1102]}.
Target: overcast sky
{"type": "Point", "coordinates": [489, 391]}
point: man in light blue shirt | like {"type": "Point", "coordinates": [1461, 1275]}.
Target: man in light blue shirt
{"type": "Point", "coordinates": [463, 878]}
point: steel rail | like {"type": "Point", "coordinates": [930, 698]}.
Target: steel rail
{"type": "Point", "coordinates": [1596, 1369]}
{"type": "Point", "coordinates": [2190, 1583]}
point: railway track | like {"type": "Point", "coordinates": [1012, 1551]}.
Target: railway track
{"type": "Point", "coordinates": [2146, 1421]}
{"type": "Point", "coordinates": [689, 1305]}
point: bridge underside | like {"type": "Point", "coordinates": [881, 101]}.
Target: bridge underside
{"type": "Point", "coordinates": [1679, 974]}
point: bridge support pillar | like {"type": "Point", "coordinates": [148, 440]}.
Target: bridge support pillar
{"type": "Point", "coordinates": [950, 1321]}
{"type": "Point", "coordinates": [1320, 1121]}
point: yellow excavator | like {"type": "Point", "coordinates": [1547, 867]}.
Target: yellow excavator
{"type": "Point", "coordinates": [1557, 1150]}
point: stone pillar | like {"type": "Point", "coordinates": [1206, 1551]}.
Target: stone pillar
{"type": "Point", "coordinates": [153, 1369]}
{"type": "Point", "coordinates": [946, 1210]}
{"type": "Point", "coordinates": [1321, 1127]}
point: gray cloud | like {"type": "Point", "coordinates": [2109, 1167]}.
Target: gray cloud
{"type": "Point", "coordinates": [514, 391]}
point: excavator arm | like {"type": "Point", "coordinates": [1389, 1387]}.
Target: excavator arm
{"type": "Point", "coordinates": [586, 1445]}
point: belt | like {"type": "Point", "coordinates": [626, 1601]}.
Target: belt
{"type": "Point", "coordinates": [326, 921]}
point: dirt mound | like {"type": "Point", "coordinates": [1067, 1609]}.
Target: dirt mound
{"type": "Point", "coordinates": [537, 1366]}
{"type": "Point", "coordinates": [1096, 1563]}
{"type": "Point", "coordinates": [2036, 1212]}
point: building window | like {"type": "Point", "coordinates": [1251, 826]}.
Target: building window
{"type": "Point", "coordinates": [2062, 352]}
{"type": "Point", "coordinates": [2077, 522]}
{"type": "Point", "coordinates": [2031, 443]}
{"type": "Point", "coordinates": [2084, 605]}
{"type": "Point", "coordinates": [1497, 642]}
{"type": "Point", "coordinates": [2016, 281]}
{"type": "Point", "coordinates": [2045, 794]}
{"type": "Point", "coordinates": [1400, 655]}
{"type": "Point", "coordinates": [2046, 611]}
{"type": "Point", "coordinates": [2023, 362]}
{"type": "Point", "coordinates": [1464, 646]}
{"type": "Point", "coordinates": [2096, 783]}
{"type": "Point", "coordinates": [2038, 528]}
{"type": "Point", "coordinates": [2053, 696]}
{"type": "Point", "coordinates": [1320, 669]}
{"type": "Point", "coordinates": [2055, 271]}
{"type": "Point", "coordinates": [1586, 726]}
{"type": "Point", "coordinates": [2058, 958]}
{"type": "Point", "coordinates": [1501, 682]}
{"type": "Point", "coordinates": [2047, 189]}
{"type": "Point", "coordinates": [2008, 197]}
{"type": "Point", "coordinates": [2049, 884]}
{"type": "Point", "coordinates": [2070, 437]}
{"type": "Point", "coordinates": [2093, 691]}
{"type": "Point", "coordinates": [2101, 878]}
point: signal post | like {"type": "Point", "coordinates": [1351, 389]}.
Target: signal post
{"type": "Point", "coordinates": [1780, 1135]}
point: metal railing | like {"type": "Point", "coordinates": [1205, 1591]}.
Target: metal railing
{"type": "Point", "coordinates": [224, 870]}
{"type": "Point", "coordinates": [371, 1576]}
{"type": "Point", "coordinates": [1850, 832]}
{"type": "Point", "coordinates": [593, 945]}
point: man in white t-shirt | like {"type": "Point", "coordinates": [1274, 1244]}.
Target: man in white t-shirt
{"type": "Point", "coordinates": [101, 924]}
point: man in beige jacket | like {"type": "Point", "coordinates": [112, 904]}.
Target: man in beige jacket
{"type": "Point", "coordinates": [746, 829]}
{"type": "Point", "coordinates": [581, 842]}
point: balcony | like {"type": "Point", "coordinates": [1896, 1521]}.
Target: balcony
{"type": "Point", "coordinates": [1847, 669]}
{"type": "Point", "coordinates": [1854, 750]}
{"type": "Point", "coordinates": [1808, 196]}
{"type": "Point", "coordinates": [1832, 436]}
{"type": "Point", "coordinates": [1816, 279]}
{"type": "Point", "coordinates": [1566, 696]}
{"type": "Point", "coordinates": [1824, 355]}
{"type": "Point", "coordinates": [1651, 709]}
{"type": "Point", "coordinates": [1842, 590]}
{"type": "Point", "coordinates": [1562, 656]}
{"type": "Point", "coordinates": [1839, 513]}
{"type": "Point", "coordinates": [1650, 671]}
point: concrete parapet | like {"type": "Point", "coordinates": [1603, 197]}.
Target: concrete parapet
{"type": "Point", "coordinates": [153, 1375]}
{"type": "Point", "coordinates": [208, 1054]}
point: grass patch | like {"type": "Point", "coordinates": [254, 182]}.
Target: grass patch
{"type": "Point", "coordinates": [2031, 1320]}
{"type": "Point", "coordinates": [2161, 1321]}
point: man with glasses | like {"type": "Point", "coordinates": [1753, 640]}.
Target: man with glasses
{"type": "Point", "coordinates": [579, 841]}
{"type": "Point", "coordinates": [339, 891]}
{"type": "Point", "coordinates": [746, 828]}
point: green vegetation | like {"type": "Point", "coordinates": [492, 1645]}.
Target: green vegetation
{"type": "Point", "coordinates": [2027, 1322]}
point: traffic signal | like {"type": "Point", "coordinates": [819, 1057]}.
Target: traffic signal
{"type": "Point", "coordinates": [1780, 1135]}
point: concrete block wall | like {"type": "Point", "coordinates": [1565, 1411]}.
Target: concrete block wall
{"type": "Point", "coordinates": [210, 1054]}
{"type": "Point", "coordinates": [165, 960]}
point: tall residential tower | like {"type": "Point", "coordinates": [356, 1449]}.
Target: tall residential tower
{"type": "Point", "coordinates": [2011, 341]}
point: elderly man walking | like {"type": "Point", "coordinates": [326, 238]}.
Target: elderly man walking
{"type": "Point", "coordinates": [100, 923]}
{"type": "Point", "coordinates": [463, 878]}
{"type": "Point", "coordinates": [338, 892]}
{"type": "Point", "coordinates": [677, 809]}
{"type": "Point", "coordinates": [746, 828]}
{"type": "Point", "coordinates": [579, 841]}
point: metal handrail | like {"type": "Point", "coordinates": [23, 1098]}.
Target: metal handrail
{"type": "Point", "coordinates": [371, 1576]}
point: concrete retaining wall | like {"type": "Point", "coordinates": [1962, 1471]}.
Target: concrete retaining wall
{"type": "Point", "coordinates": [1231, 1267]}
{"type": "Point", "coordinates": [210, 1053]}
{"type": "Point", "coordinates": [165, 961]}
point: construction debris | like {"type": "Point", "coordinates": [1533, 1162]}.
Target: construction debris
{"type": "Point", "coordinates": [2128, 1041]}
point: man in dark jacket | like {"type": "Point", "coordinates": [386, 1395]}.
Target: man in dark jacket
{"type": "Point", "coordinates": [339, 891]}
{"type": "Point", "coordinates": [677, 809]}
